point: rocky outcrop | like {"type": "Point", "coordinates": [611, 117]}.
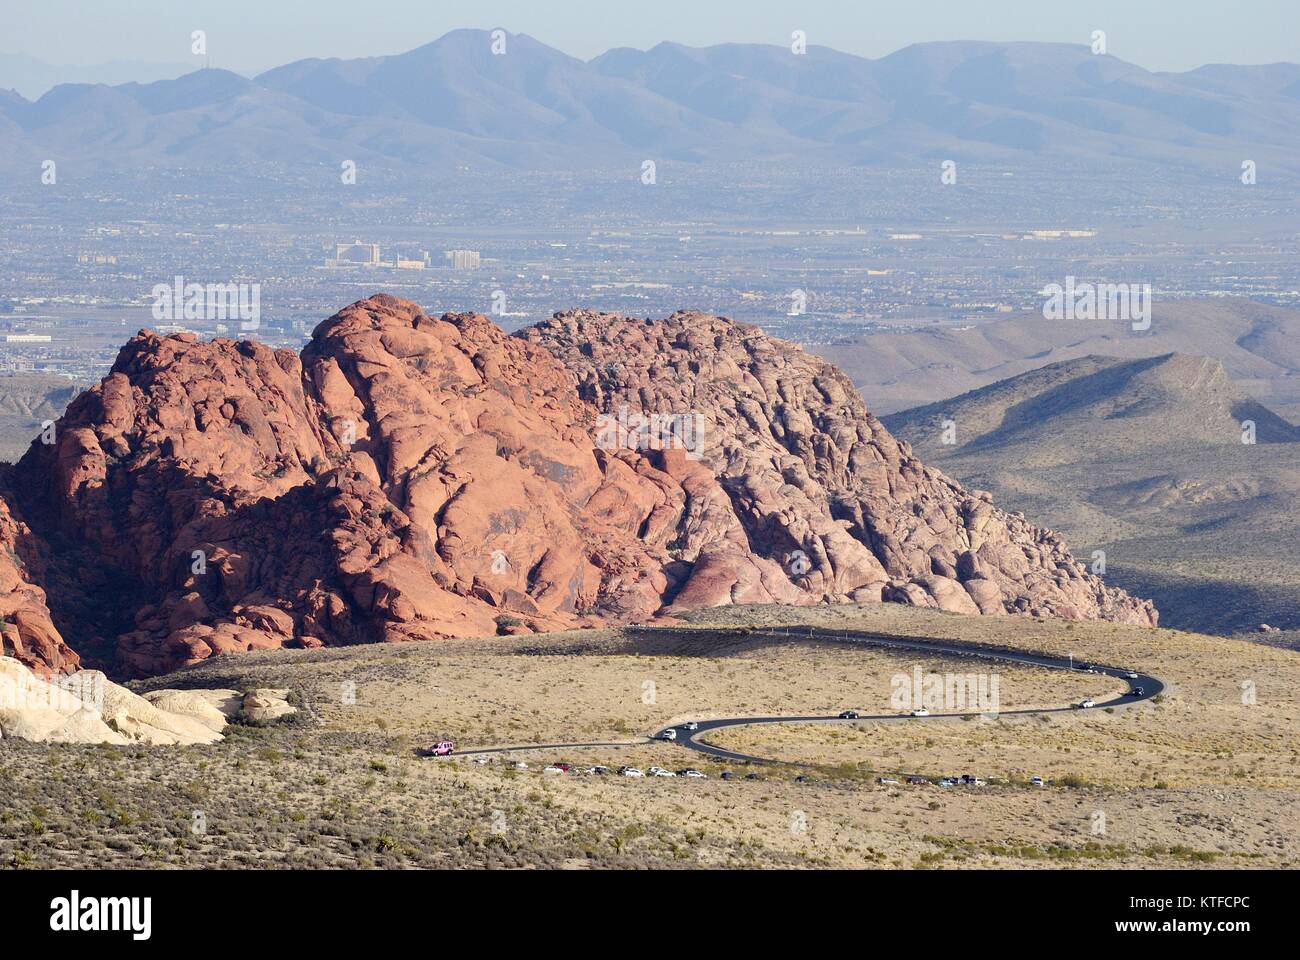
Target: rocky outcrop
{"type": "Point", "coordinates": [410, 478]}
{"type": "Point", "coordinates": [27, 634]}
{"type": "Point", "coordinates": [86, 707]}
{"type": "Point", "coordinates": [814, 479]}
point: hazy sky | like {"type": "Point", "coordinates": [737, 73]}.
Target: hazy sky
{"type": "Point", "coordinates": [251, 35]}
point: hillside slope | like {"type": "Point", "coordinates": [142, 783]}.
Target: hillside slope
{"type": "Point", "coordinates": [1144, 460]}
{"type": "Point", "coordinates": [1258, 345]}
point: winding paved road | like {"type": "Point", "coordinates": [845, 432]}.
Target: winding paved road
{"type": "Point", "coordinates": [1150, 686]}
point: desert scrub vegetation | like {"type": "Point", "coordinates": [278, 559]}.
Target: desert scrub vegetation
{"type": "Point", "coordinates": [956, 849]}
{"type": "Point", "coordinates": [281, 797]}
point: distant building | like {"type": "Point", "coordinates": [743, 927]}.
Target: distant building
{"type": "Point", "coordinates": [28, 338]}
{"type": "Point", "coordinates": [463, 259]}
{"type": "Point", "coordinates": [355, 253]}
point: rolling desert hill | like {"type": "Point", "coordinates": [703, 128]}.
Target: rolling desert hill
{"type": "Point", "coordinates": [1258, 345]}
{"type": "Point", "coordinates": [416, 478]}
{"type": "Point", "coordinates": [453, 102]}
{"type": "Point", "coordinates": [27, 400]}
{"type": "Point", "coordinates": [1144, 460]}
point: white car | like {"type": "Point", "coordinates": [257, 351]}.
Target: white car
{"type": "Point", "coordinates": [919, 712]}
{"type": "Point", "coordinates": [519, 765]}
{"type": "Point", "coordinates": [630, 772]}
{"type": "Point", "coordinates": [552, 768]}
{"type": "Point", "coordinates": [690, 725]}
{"type": "Point", "coordinates": [481, 760]}
{"type": "Point", "coordinates": [1037, 782]}
{"type": "Point", "coordinates": [660, 772]}
{"type": "Point", "coordinates": [669, 734]}
{"type": "Point", "coordinates": [886, 782]}
{"type": "Point", "coordinates": [1131, 675]}
{"type": "Point", "coordinates": [694, 774]}
{"type": "Point", "coordinates": [1085, 704]}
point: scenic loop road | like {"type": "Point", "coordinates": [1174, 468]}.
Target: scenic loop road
{"type": "Point", "coordinates": [1150, 686]}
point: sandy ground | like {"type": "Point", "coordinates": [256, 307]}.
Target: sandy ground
{"type": "Point", "coordinates": [1203, 776]}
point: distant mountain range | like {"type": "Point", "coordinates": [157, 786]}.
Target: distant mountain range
{"type": "Point", "coordinates": [33, 78]}
{"type": "Point", "coordinates": [454, 103]}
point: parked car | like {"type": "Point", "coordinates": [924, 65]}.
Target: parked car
{"type": "Point", "coordinates": [948, 782]}
{"type": "Point", "coordinates": [727, 775]}
{"type": "Point", "coordinates": [886, 782]}
{"type": "Point", "coordinates": [669, 734]}
{"type": "Point", "coordinates": [802, 778]}
{"type": "Point", "coordinates": [752, 776]}
{"type": "Point", "coordinates": [442, 748]}
{"type": "Point", "coordinates": [660, 772]}
{"type": "Point", "coordinates": [597, 770]}
{"type": "Point", "coordinates": [519, 765]}
{"type": "Point", "coordinates": [917, 781]}
{"type": "Point", "coordinates": [630, 772]}
{"type": "Point", "coordinates": [968, 780]}
{"type": "Point", "coordinates": [849, 715]}
{"type": "Point", "coordinates": [692, 773]}
{"type": "Point", "coordinates": [1037, 782]}
{"type": "Point", "coordinates": [551, 768]}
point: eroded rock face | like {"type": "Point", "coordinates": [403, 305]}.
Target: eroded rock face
{"type": "Point", "coordinates": [27, 634]}
{"type": "Point", "coordinates": [410, 477]}
{"type": "Point", "coordinates": [816, 481]}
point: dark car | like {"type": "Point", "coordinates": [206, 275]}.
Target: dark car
{"type": "Point", "coordinates": [917, 781]}
{"type": "Point", "coordinates": [849, 715]}
{"type": "Point", "coordinates": [752, 776]}
{"type": "Point", "coordinates": [726, 774]}
{"type": "Point", "coordinates": [802, 778]}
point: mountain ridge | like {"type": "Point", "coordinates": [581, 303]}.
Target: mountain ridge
{"type": "Point", "coordinates": [537, 106]}
{"type": "Point", "coordinates": [1183, 481]}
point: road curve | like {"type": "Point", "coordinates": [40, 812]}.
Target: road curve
{"type": "Point", "coordinates": [1150, 686]}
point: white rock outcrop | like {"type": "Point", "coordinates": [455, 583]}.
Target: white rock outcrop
{"type": "Point", "coordinates": [87, 707]}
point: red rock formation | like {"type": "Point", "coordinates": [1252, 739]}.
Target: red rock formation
{"type": "Point", "coordinates": [412, 478]}
{"type": "Point", "coordinates": [816, 481]}
{"type": "Point", "coordinates": [26, 631]}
